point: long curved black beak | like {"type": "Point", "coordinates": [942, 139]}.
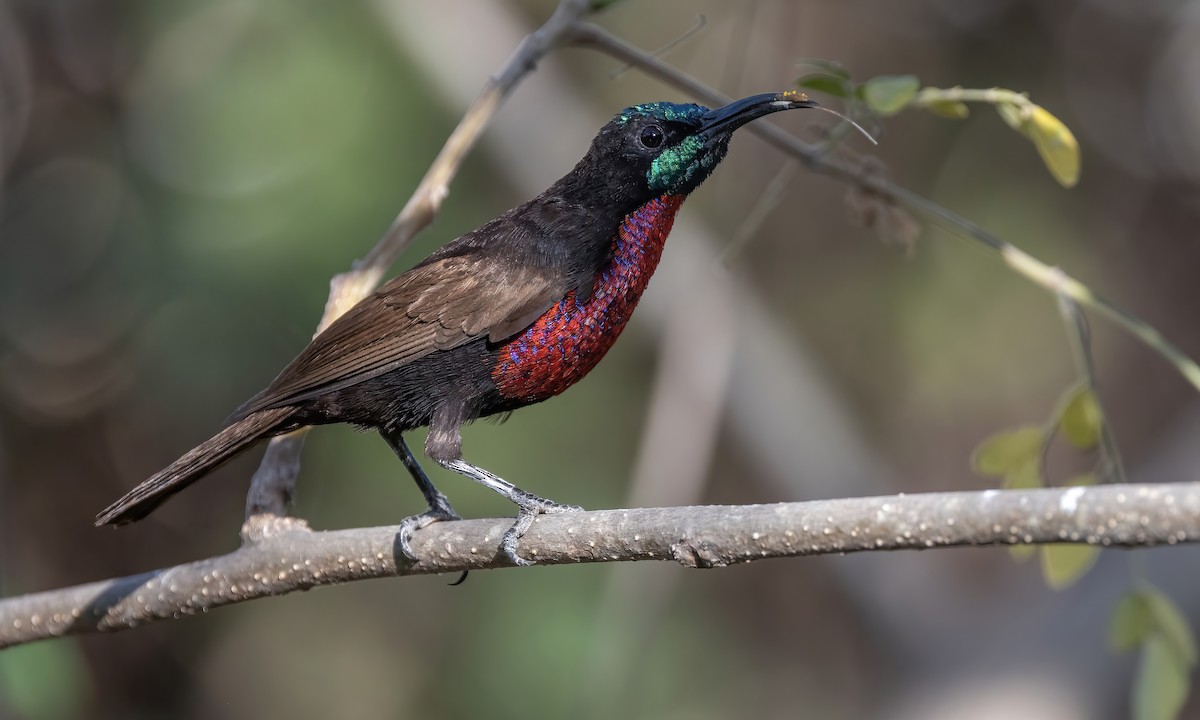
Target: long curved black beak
{"type": "Point", "coordinates": [726, 119]}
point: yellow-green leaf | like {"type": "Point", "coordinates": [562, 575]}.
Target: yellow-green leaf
{"type": "Point", "coordinates": [1024, 477]}
{"type": "Point", "coordinates": [1161, 684]}
{"type": "Point", "coordinates": [889, 94]}
{"type": "Point", "coordinates": [1055, 143]}
{"type": "Point", "coordinates": [1062, 565]}
{"type": "Point", "coordinates": [1081, 422]}
{"type": "Point", "coordinates": [1013, 115]}
{"type": "Point", "coordinates": [952, 109]}
{"type": "Point", "coordinates": [1007, 451]}
{"type": "Point", "coordinates": [825, 83]}
{"type": "Point", "coordinates": [1131, 622]}
{"type": "Point", "coordinates": [1172, 625]}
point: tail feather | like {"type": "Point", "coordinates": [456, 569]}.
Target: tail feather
{"type": "Point", "coordinates": [143, 499]}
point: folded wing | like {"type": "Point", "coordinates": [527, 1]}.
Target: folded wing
{"type": "Point", "coordinates": [435, 306]}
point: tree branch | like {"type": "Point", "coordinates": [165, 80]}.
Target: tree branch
{"type": "Point", "coordinates": [698, 537]}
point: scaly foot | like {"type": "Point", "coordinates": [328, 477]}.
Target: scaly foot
{"type": "Point", "coordinates": [439, 510]}
{"type": "Point", "coordinates": [530, 507]}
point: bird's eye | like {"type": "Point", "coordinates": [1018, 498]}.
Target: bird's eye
{"type": "Point", "coordinates": [651, 137]}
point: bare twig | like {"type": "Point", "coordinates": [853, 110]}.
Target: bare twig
{"type": "Point", "coordinates": [699, 537]}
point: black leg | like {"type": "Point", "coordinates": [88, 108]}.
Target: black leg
{"type": "Point", "coordinates": [439, 507]}
{"type": "Point", "coordinates": [529, 505]}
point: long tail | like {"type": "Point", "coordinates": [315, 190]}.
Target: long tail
{"type": "Point", "coordinates": [143, 499]}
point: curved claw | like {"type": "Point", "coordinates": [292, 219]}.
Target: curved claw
{"type": "Point", "coordinates": [530, 507]}
{"type": "Point", "coordinates": [438, 511]}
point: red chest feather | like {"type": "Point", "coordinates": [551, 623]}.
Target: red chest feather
{"type": "Point", "coordinates": [567, 341]}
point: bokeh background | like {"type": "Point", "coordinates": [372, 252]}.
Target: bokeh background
{"type": "Point", "coordinates": [181, 179]}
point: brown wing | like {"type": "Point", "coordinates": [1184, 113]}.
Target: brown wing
{"type": "Point", "coordinates": [435, 306]}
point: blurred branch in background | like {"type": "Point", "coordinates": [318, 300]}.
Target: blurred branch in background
{"type": "Point", "coordinates": [699, 537]}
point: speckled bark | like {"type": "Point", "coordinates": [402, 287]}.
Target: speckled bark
{"type": "Point", "coordinates": [292, 558]}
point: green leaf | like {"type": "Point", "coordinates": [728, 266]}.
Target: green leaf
{"type": "Point", "coordinates": [952, 109]}
{"type": "Point", "coordinates": [1063, 565]}
{"type": "Point", "coordinates": [1008, 451]}
{"type": "Point", "coordinates": [1172, 625]}
{"type": "Point", "coordinates": [1056, 144]}
{"type": "Point", "coordinates": [829, 67]}
{"type": "Point", "coordinates": [825, 83]}
{"type": "Point", "coordinates": [1081, 421]}
{"type": "Point", "coordinates": [1131, 622]}
{"type": "Point", "coordinates": [889, 94]}
{"type": "Point", "coordinates": [1161, 684]}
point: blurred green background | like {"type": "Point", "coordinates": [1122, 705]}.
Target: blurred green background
{"type": "Point", "coordinates": [181, 179]}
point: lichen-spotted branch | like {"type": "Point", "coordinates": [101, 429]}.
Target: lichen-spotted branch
{"type": "Point", "coordinates": [701, 536]}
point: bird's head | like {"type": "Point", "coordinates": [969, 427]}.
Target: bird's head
{"type": "Point", "coordinates": [669, 148]}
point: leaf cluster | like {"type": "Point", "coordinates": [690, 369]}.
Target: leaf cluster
{"type": "Point", "coordinates": [887, 95]}
{"type": "Point", "coordinates": [1018, 456]}
{"type": "Point", "coordinates": [1146, 619]}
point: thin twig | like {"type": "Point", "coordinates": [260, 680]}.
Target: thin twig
{"type": "Point", "coordinates": [1049, 277]}
{"type": "Point", "coordinates": [993, 96]}
{"type": "Point", "coordinates": [767, 202]}
{"type": "Point", "coordinates": [698, 537]}
{"type": "Point", "coordinates": [1081, 344]}
{"type": "Point", "coordinates": [663, 51]}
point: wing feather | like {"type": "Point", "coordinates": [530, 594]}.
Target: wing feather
{"type": "Point", "coordinates": [438, 305]}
